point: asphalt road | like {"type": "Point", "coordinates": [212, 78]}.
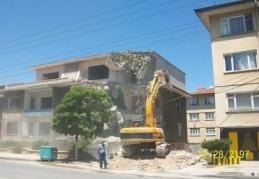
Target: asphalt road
{"type": "Point", "coordinates": [10, 169]}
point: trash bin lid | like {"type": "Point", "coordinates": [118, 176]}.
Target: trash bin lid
{"type": "Point", "coordinates": [48, 147]}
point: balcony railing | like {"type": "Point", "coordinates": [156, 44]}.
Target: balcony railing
{"type": "Point", "coordinates": [38, 112]}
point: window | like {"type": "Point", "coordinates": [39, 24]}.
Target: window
{"type": "Point", "coordinates": [14, 103]}
{"type": "Point", "coordinates": [12, 128]}
{"type": "Point", "coordinates": [194, 116]}
{"type": "Point", "coordinates": [44, 129]}
{"type": "Point", "coordinates": [210, 131]}
{"type": "Point", "coordinates": [240, 61]}
{"type": "Point", "coordinates": [46, 103]}
{"type": "Point", "coordinates": [243, 101]}
{"type": "Point", "coordinates": [209, 115]}
{"type": "Point", "coordinates": [98, 72]}
{"type": "Point", "coordinates": [209, 100]}
{"type": "Point", "coordinates": [255, 100]}
{"type": "Point", "coordinates": [194, 131]}
{"type": "Point", "coordinates": [48, 76]}
{"type": "Point", "coordinates": [235, 25]}
{"type": "Point", "coordinates": [193, 102]}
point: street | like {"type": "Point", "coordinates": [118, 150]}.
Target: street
{"type": "Point", "coordinates": [10, 169]}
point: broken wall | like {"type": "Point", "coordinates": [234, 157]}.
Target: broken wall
{"type": "Point", "coordinates": [177, 77]}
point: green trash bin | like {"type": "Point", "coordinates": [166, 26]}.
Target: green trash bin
{"type": "Point", "coordinates": [48, 153]}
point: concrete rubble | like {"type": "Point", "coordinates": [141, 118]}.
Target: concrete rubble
{"type": "Point", "coordinates": [246, 169]}
{"type": "Point", "coordinates": [148, 162]}
{"type": "Point", "coordinates": [136, 61]}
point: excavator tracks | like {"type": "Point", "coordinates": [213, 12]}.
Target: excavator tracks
{"type": "Point", "coordinates": [162, 149]}
{"type": "Point", "coordinates": [129, 150]}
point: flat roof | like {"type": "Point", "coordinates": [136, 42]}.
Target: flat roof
{"type": "Point", "coordinates": [62, 62]}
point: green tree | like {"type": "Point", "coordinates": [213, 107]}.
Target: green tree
{"type": "Point", "coordinates": [82, 112]}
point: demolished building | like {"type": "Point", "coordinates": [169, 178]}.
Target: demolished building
{"type": "Point", "coordinates": [27, 108]}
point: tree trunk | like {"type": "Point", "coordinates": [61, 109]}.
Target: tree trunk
{"type": "Point", "coordinates": [76, 149]}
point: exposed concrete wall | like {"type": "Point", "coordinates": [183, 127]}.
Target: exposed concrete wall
{"type": "Point", "coordinates": [177, 77]}
{"type": "Point", "coordinates": [149, 74]}
{"type": "Point", "coordinates": [40, 72]}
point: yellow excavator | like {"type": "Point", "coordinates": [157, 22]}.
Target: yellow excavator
{"type": "Point", "coordinates": [142, 133]}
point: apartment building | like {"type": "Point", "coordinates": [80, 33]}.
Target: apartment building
{"type": "Point", "coordinates": [29, 107]}
{"type": "Point", "coordinates": [201, 118]}
{"type": "Point", "coordinates": [234, 36]}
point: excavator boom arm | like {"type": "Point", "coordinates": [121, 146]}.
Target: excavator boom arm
{"type": "Point", "coordinates": [160, 78]}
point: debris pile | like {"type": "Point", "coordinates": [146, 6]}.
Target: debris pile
{"type": "Point", "coordinates": [136, 61]}
{"type": "Point", "coordinates": [148, 162]}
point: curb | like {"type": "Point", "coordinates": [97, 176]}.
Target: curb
{"type": "Point", "coordinates": [81, 166]}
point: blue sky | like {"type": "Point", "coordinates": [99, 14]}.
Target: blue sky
{"type": "Point", "coordinates": [37, 32]}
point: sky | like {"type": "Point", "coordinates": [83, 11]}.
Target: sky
{"type": "Point", "coordinates": [44, 31]}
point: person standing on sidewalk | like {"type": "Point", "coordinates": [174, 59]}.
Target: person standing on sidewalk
{"type": "Point", "coordinates": [102, 154]}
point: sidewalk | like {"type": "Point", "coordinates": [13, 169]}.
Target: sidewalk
{"type": "Point", "coordinates": [244, 170]}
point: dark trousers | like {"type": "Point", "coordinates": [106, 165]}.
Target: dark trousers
{"type": "Point", "coordinates": [103, 161]}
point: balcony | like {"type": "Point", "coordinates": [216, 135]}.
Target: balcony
{"type": "Point", "coordinates": [38, 112]}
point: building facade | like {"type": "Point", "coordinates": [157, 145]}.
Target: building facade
{"type": "Point", "coordinates": [29, 107]}
{"type": "Point", "coordinates": [201, 117]}
{"type": "Point", "coordinates": [234, 36]}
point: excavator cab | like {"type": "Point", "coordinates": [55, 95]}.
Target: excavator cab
{"type": "Point", "coordinates": [135, 122]}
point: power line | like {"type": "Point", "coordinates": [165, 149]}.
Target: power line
{"type": "Point", "coordinates": [125, 39]}
{"type": "Point", "coordinates": [109, 26]}
{"type": "Point", "coordinates": [235, 86]}
{"type": "Point", "coordinates": [236, 83]}
{"type": "Point", "coordinates": [95, 52]}
{"type": "Point", "coordinates": [74, 22]}
{"type": "Point", "coordinates": [95, 23]}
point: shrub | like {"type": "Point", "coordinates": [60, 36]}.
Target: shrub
{"type": "Point", "coordinates": [81, 145]}
{"type": "Point", "coordinates": [40, 142]}
{"type": "Point", "coordinates": [217, 144]}
{"type": "Point", "coordinates": [11, 143]}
